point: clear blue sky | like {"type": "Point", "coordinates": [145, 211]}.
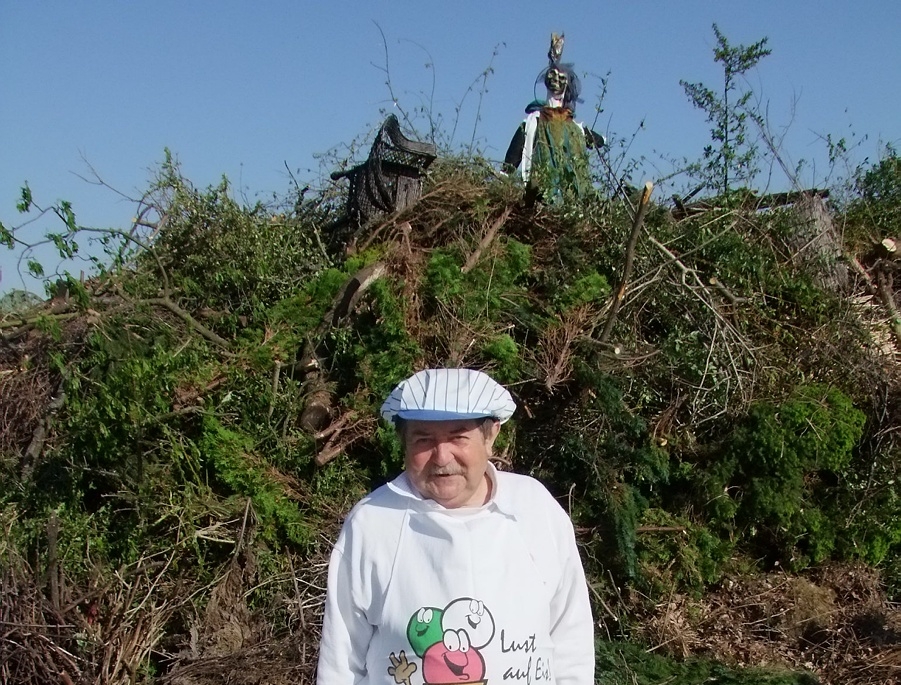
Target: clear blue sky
{"type": "Point", "coordinates": [243, 88]}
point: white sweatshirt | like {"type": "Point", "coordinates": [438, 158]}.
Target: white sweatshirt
{"type": "Point", "coordinates": [422, 594]}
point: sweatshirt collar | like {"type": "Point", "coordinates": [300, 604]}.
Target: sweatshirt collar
{"type": "Point", "coordinates": [500, 499]}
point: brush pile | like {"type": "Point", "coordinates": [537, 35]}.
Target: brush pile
{"type": "Point", "coordinates": [181, 435]}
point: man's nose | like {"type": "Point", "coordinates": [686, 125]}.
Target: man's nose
{"type": "Point", "coordinates": [441, 453]}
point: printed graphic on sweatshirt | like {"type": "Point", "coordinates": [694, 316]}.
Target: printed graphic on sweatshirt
{"type": "Point", "coordinates": [449, 643]}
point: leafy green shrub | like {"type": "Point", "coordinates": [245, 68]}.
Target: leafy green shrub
{"type": "Point", "coordinates": [624, 663]}
{"type": "Point", "coordinates": [584, 289]}
{"type": "Point", "coordinates": [876, 211]}
{"type": "Point", "coordinates": [593, 450]}
{"type": "Point", "coordinates": [379, 350]}
{"type": "Point", "coordinates": [224, 256]}
{"type": "Point", "coordinates": [774, 479]}
{"type": "Point", "coordinates": [503, 354]}
{"type": "Point", "coordinates": [678, 555]}
{"type": "Point", "coordinates": [228, 457]}
{"type": "Point", "coordinates": [484, 292]}
{"type": "Point", "coordinates": [731, 156]}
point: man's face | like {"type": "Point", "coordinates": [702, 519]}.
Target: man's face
{"type": "Point", "coordinates": [446, 460]}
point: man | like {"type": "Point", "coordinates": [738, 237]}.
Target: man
{"type": "Point", "coordinates": [455, 572]}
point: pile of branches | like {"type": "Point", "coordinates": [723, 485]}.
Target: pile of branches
{"type": "Point", "coordinates": [239, 420]}
{"type": "Point", "coordinates": [835, 622]}
{"type": "Point", "coordinates": [58, 631]}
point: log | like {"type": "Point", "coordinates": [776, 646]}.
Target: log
{"type": "Point", "coordinates": [888, 249]}
{"type": "Point", "coordinates": [789, 198]}
{"type": "Point", "coordinates": [751, 201]}
{"type": "Point", "coordinates": [318, 409]}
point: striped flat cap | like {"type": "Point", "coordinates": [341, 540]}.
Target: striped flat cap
{"type": "Point", "coordinates": [447, 395]}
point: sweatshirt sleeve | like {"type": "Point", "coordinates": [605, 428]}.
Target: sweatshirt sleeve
{"type": "Point", "coordinates": [572, 626]}
{"type": "Point", "coordinates": [346, 632]}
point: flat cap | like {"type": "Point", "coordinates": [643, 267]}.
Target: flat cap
{"type": "Point", "coordinates": [448, 395]}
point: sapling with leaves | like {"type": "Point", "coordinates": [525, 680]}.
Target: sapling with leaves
{"type": "Point", "coordinates": [730, 156]}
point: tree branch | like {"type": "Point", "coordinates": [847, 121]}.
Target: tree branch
{"type": "Point", "coordinates": [166, 303]}
{"type": "Point", "coordinates": [487, 240]}
{"type": "Point", "coordinates": [630, 258]}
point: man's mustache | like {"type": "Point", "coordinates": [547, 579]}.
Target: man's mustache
{"type": "Point", "coordinates": [445, 471]}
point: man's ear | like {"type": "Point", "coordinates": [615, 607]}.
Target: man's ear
{"type": "Point", "coordinates": [491, 436]}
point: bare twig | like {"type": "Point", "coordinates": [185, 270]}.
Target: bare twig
{"type": "Point", "coordinates": [387, 71]}
{"type": "Point", "coordinates": [53, 559]}
{"type": "Point", "coordinates": [276, 372]}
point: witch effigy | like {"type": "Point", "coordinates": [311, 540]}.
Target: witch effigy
{"type": "Point", "coordinates": [550, 148]}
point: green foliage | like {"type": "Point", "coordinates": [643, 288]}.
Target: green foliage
{"type": "Point", "coordinates": [678, 555]}
{"type": "Point", "coordinates": [25, 200]}
{"type": "Point", "coordinates": [719, 432]}
{"type": "Point", "coordinates": [585, 289]}
{"type": "Point", "coordinates": [891, 575]}
{"type": "Point", "coordinates": [624, 663]}
{"type": "Point", "coordinates": [595, 451]}
{"type": "Point", "coordinates": [774, 478]}
{"type": "Point", "coordinates": [128, 438]}
{"type": "Point", "coordinates": [874, 524]}
{"type": "Point", "coordinates": [485, 292]}
{"type": "Point", "coordinates": [6, 237]}
{"type": "Point", "coordinates": [729, 157]}
{"type": "Point", "coordinates": [222, 255]}
{"type": "Point", "coordinates": [382, 349]}
{"type": "Point", "coordinates": [876, 211]}
{"type": "Point", "coordinates": [502, 352]}
{"type": "Point", "coordinates": [65, 244]}
{"type": "Point", "coordinates": [305, 309]}
{"type": "Point", "coordinates": [228, 455]}
{"type": "Point", "coordinates": [35, 268]}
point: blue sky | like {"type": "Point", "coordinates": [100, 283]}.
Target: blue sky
{"type": "Point", "coordinates": [243, 89]}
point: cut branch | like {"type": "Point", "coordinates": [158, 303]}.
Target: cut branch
{"type": "Point", "coordinates": [630, 258]}
{"type": "Point", "coordinates": [487, 240]}
{"type": "Point", "coordinates": [351, 426]}
{"type": "Point", "coordinates": [166, 303]}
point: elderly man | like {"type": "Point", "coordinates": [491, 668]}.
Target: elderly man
{"type": "Point", "coordinates": [455, 572]}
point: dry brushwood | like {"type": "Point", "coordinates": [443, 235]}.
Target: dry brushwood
{"type": "Point", "coordinates": [835, 622]}
{"type": "Point", "coordinates": [31, 390]}
{"type": "Point", "coordinates": [731, 357]}
{"type": "Point", "coordinates": [103, 636]}
{"type": "Point", "coordinates": [555, 354]}
{"type": "Point", "coordinates": [36, 642]}
{"type": "Point", "coordinates": [259, 653]}
{"type": "Point", "coordinates": [24, 395]}
{"type": "Point", "coordinates": [341, 434]}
